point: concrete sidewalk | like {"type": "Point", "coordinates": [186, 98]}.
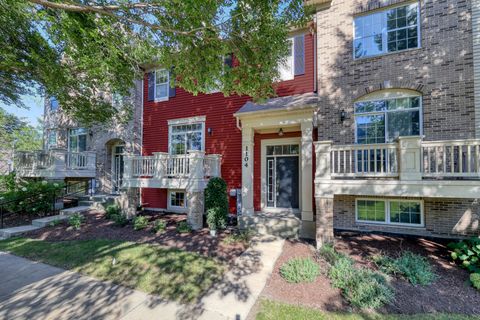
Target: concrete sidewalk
{"type": "Point", "coordinates": [31, 290]}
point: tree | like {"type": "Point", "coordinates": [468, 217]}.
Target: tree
{"type": "Point", "coordinates": [78, 50]}
{"type": "Point", "coordinates": [17, 134]}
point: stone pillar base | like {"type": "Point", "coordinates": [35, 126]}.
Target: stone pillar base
{"type": "Point", "coordinates": [195, 205]}
{"type": "Point", "coordinates": [128, 201]}
{"type": "Point", "coordinates": [324, 221]}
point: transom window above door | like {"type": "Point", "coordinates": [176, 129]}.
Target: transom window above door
{"type": "Point", "coordinates": [186, 137]}
{"type": "Point", "coordinates": [380, 121]}
{"type": "Point", "coordinates": [390, 30]}
{"type": "Point", "coordinates": [287, 149]}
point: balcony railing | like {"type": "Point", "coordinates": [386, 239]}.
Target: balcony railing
{"type": "Point", "coordinates": [50, 162]}
{"type": "Point", "coordinates": [161, 165]}
{"type": "Point", "coordinates": [409, 158]}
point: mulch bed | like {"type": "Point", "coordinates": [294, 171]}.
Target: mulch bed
{"type": "Point", "coordinates": [450, 293]}
{"type": "Point", "coordinates": [96, 226]}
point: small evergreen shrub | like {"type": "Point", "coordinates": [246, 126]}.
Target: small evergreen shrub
{"type": "Point", "coordinates": [216, 203]}
{"type": "Point", "coordinates": [111, 211]}
{"type": "Point", "coordinates": [120, 219]}
{"type": "Point", "coordinates": [413, 267]}
{"type": "Point", "coordinates": [159, 226]}
{"type": "Point", "coordinates": [299, 270]}
{"type": "Point", "coordinates": [183, 227]}
{"type": "Point", "coordinates": [140, 223]}
{"type": "Point", "coordinates": [467, 253]}
{"type": "Point", "coordinates": [76, 220]}
{"type": "Point", "coordinates": [475, 280]}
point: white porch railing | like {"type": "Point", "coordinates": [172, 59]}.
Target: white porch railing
{"type": "Point", "coordinates": [409, 158]}
{"type": "Point", "coordinates": [367, 160]}
{"type": "Point", "coordinates": [80, 160]}
{"type": "Point", "coordinates": [162, 165]}
{"type": "Point", "coordinates": [451, 158]}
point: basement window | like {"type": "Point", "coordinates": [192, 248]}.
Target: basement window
{"type": "Point", "coordinates": [390, 212]}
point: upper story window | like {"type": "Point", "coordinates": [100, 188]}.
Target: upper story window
{"type": "Point", "coordinates": [186, 135]}
{"type": "Point", "coordinates": [162, 83]}
{"type": "Point", "coordinates": [51, 139]}
{"type": "Point", "coordinates": [77, 140]}
{"type": "Point", "coordinates": [385, 119]}
{"type": "Point", "coordinates": [387, 31]}
{"type": "Point", "coordinates": [53, 104]}
{"type": "Point", "coordinates": [294, 64]}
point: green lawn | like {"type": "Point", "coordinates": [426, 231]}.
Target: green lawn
{"type": "Point", "coordinates": [170, 273]}
{"type": "Point", "coordinates": [270, 310]}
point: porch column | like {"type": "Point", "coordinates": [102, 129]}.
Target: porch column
{"type": "Point", "coordinates": [195, 190]}
{"type": "Point", "coordinates": [247, 171]}
{"type": "Point", "coordinates": [307, 181]}
{"type": "Point", "coordinates": [324, 221]}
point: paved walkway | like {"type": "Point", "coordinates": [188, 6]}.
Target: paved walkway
{"type": "Point", "coordinates": [31, 290]}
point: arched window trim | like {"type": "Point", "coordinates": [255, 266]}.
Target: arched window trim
{"type": "Point", "coordinates": [382, 116]}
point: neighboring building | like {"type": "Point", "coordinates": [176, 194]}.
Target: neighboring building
{"type": "Point", "coordinates": [397, 118]}
{"type": "Point", "coordinates": [264, 152]}
{"type": "Point", "coordinates": [73, 152]}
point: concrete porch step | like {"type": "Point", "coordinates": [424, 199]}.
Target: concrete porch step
{"type": "Point", "coordinates": [43, 222]}
{"type": "Point", "coordinates": [15, 231]}
{"type": "Point", "coordinates": [70, 211]}
{"type": "Point", "coordinates": [284, 225]}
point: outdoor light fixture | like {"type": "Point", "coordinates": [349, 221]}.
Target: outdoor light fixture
{"type": "Point", "coordinates": [280, 132]}
{"type": "Point", "coordinates": [343, 115]}
{"type": "Point", "coordinates": [210, 131]}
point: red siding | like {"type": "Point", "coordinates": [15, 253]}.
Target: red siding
{"type": "Point", "coordinates": [219, 110]}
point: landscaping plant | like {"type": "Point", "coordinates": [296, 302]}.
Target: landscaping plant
{"type": "Point", "coordinates": [299, 270]}
{"type": "Point", "coordinates": [111, 211]}
{"type": "Point", "coordinates": [140, 222]}
{"type": "Point", "coordinates": [76, 220]}
{"type": "Point", "coordinates": [216, 203]}
{"type": "Point", "coordinates": [159, 226]}
{"type": "Point", "coordinates": [120, 219]}
{"type": "Point", "coordinates": [243, 236]}
{"type": "Point", "coordinates": [413, 267]}
{"type": "Point", "coordinates": [55, 222]}
{"type": "Point", "coordinates": [183, 227]}
{"type": "Point", "coordinates": [475, 280]}
{"type": "Point", "coordinates": [467, 253]}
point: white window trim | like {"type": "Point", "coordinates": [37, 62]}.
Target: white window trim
{"type": "Point", "coordinates": [193, 120]}
{"type": "Point", "coordinates": [386, 112]}
{"type": "Point", "coordinates": [176, 209]}
{"type": "Point", "coordinates": [385, 31]}
{"type": "Point", "coordinates": [387, 213]}
{"type": "Point", "coordinates": [155, 86]}
{"type": "Point", "coordinates": [290, 76]}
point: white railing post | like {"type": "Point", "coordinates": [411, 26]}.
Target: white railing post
{"type": "Point", "coordinates": [410, 150]}
{"type": "Point", "coordinates": [127, 167]}
{"type": "Point", "coordinates": [213, 165]}
{"type": "Point", "coordinates": [160, 164]}
{"type": "Point", "coordinates": [195, 164]}
{"type": "Point", "coordinates": [323, 150]}
{"type": "Point", "coordinates": [59, 159]}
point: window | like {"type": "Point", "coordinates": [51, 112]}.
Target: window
{"type": "Point", "coordinates": [294, 64]}
{"type": "Point", "coordinates": [380, 121]}
{"type": "Point", "coordinates": [51, 139]}
{"type": "Point", "coordinates": [77, 140]}
{"type": "Point", "coordinates": [117, 100]}
{"type": "Point", "coordinates": [53, 104]}
{"type": "Point", "coordinates": [177, 199]}
{"type": "Point", "coordinates": [396, 212]}
{"type": "Point", "coordinates": [390, 30]}
{"type": "Point", "coordinates": [162, 84]}
{"type": "Point", "coordinates": [185, 137]}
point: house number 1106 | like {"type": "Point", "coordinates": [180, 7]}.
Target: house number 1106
{"type": "Point", "coordinates": [246, 157]}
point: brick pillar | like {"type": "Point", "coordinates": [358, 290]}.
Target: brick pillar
{"type": "Point", "coordinates": [195, 205]}
{"type": "Point", "coordinates": [128, 201]}
{"type": "Point", "coordinates": [324, 221]}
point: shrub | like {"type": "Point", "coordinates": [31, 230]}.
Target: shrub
{"type": "Point", "coordinates": [475, 280]}
{"type": "Point", "coordinates": [216, 203]}
{"type": "Point", "coordinates": [299, 270]}
{"type": "Point", "coordinates": [140, 222]}
{"type": "Point", "coordinates": [55, 222]}
{"type": "Point", "coordinates": [328, 253]}
{"type": "Point", "coordinates": [467, 252]}
{"type": "Point", "coordinates": [243, 236]}
{"type": "Point", "coordinates": [415, 268]}
{"type": "Point", "coordinates": [112, 210]}
{"type": "Point", "coordinates": [120, 219]}
{"type": "Point", "coordinates": [183, 227]}
{"type": "Point", "coordinates": [159, 226]}
{"type": "Point", "coordinates": [75, 221]}
{"type": "Point", "coordinates": [7, 182]}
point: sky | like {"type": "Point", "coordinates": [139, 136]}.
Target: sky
{"type": "Point", "coordinates": [34, 111]}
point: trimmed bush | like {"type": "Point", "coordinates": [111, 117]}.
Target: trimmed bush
{"type": "Point", "coordinates": [467, 253]}
{"type": "Point", "coordinates": [111, 211]}
{"type": "Point", "coordinates": [120, 219]}
{"type": "Point", "coordinates": [475, 280]}
{"type": "Point", "coordinates": [299, 270]}
{"type": "Point", "coordinates": [159, 226]}
{"type": "Point", "coordinates": [140, 223]}
{"type": "Point", "coordinates": [183, 227]}
{"type": "Point", "coordinates": [328, 253]}
{"type": "Point", "coordinates": [76, 220]}
{"type": "Point", "coordinates": [413, 267]}
{"type": "Point", "coordinates": [216, 203]}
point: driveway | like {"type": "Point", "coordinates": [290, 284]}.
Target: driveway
{"type": "Point", "coordinates": [32, 290]}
